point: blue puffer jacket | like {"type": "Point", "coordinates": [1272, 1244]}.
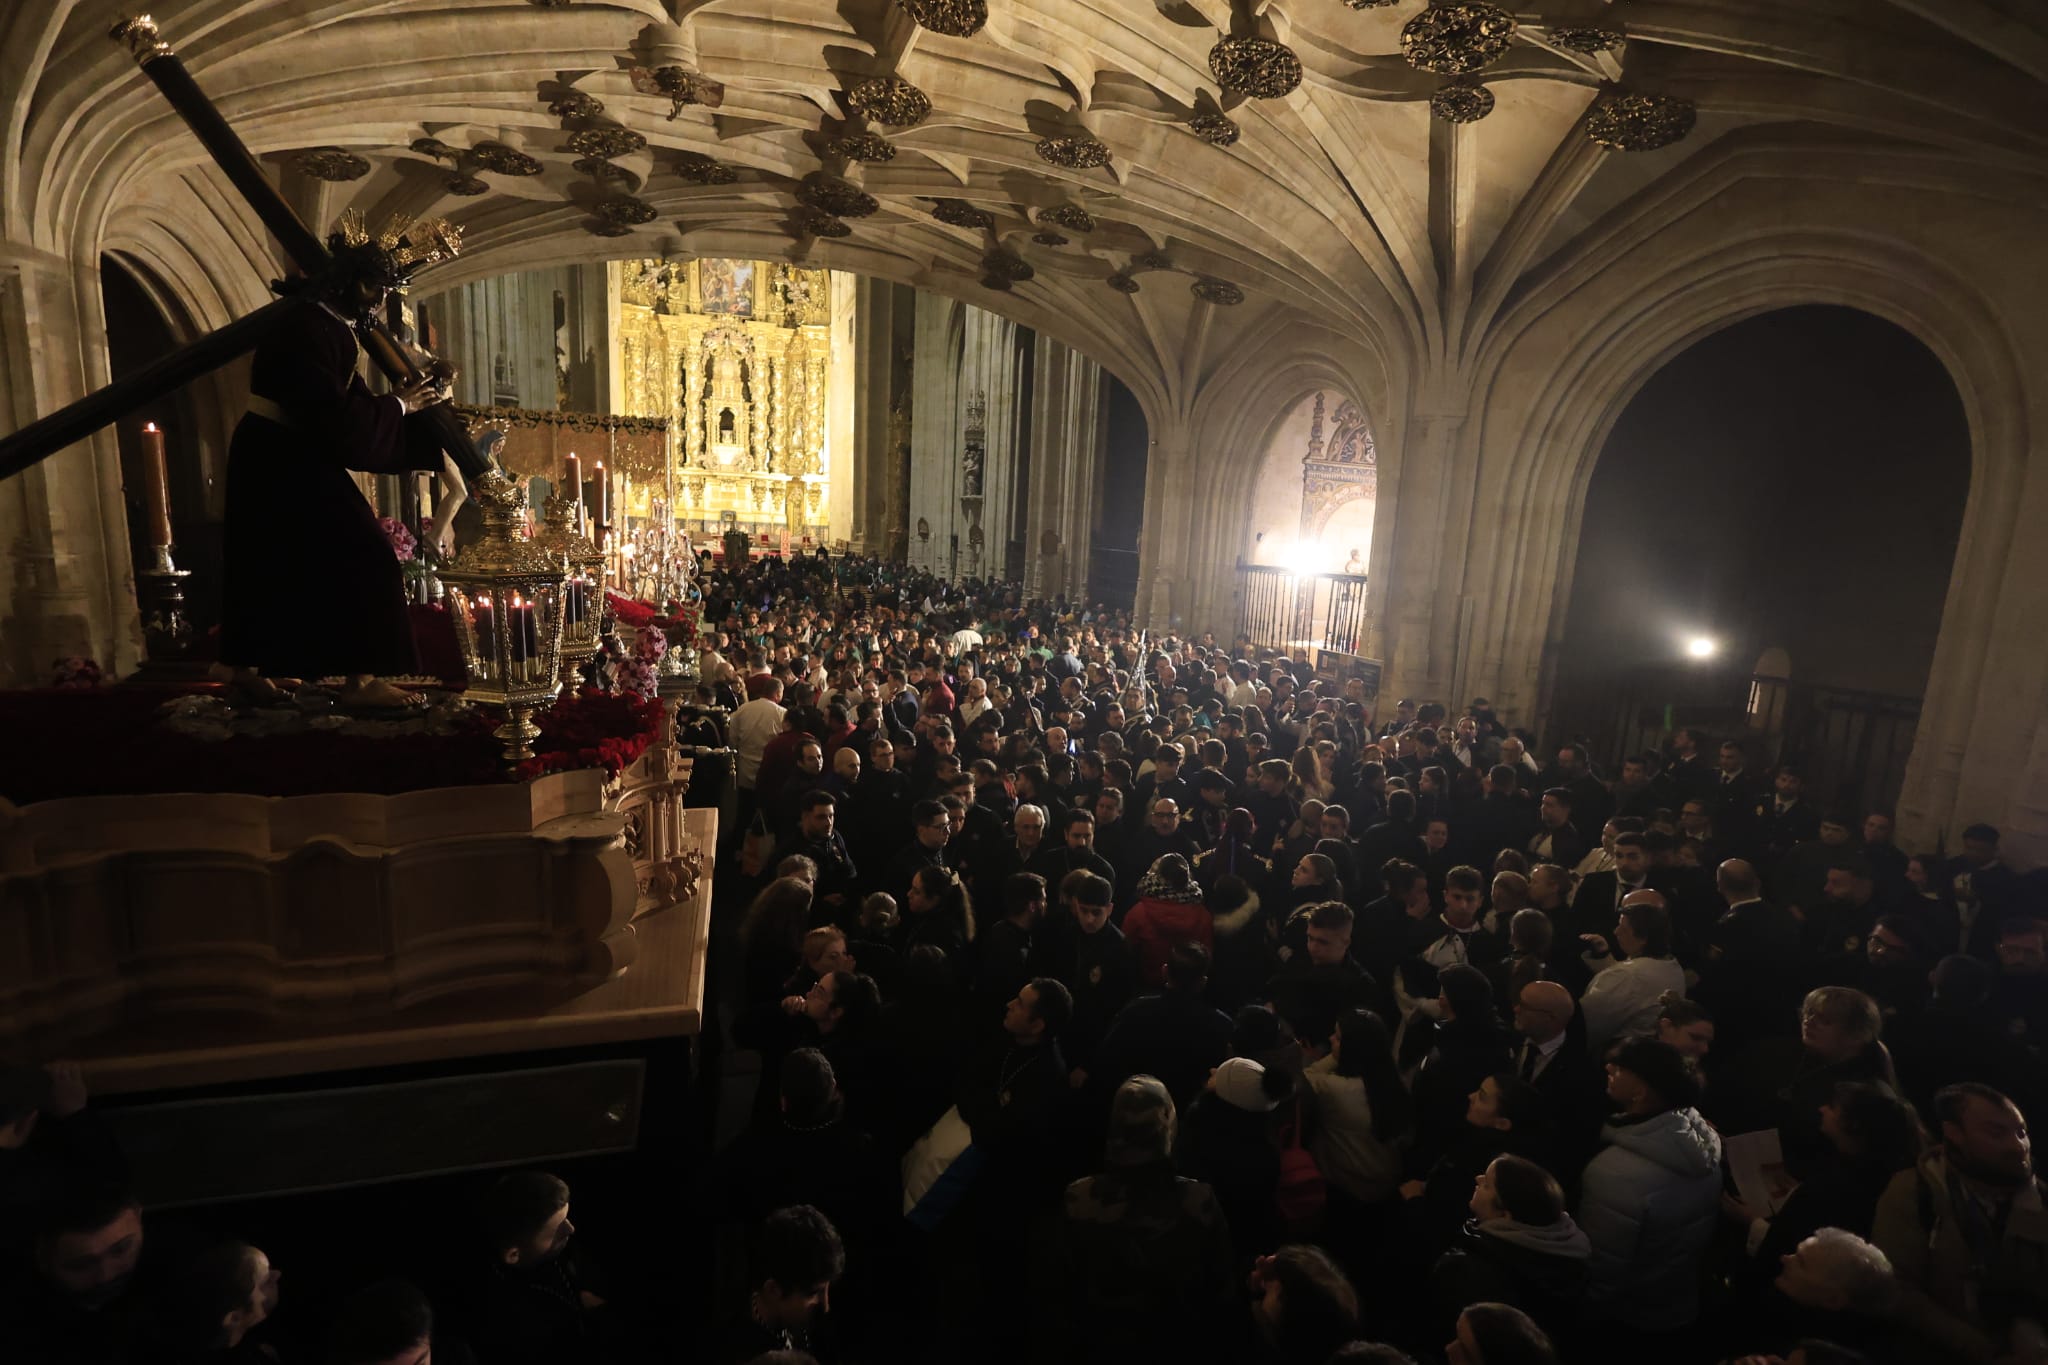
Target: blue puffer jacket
{"type": "Point", "coordinates": [1649, 1204]}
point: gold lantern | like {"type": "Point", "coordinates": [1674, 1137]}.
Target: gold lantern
{"type": "Point", "coordinates": [583, 598]}
{"type": "Point", "coordinates": [508, 595]}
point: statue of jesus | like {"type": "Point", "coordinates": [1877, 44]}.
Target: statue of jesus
{"type": "Point", "coordinates": [312, 586]}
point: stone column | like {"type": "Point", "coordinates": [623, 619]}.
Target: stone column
{"type": "Point", "coordinates": [934, 434]}
{"type": "Point", "coordinates": [873, 461]}
{"type": "Point", "coordinates": [1169, 516]}
{"type": "Point", "coordinates": [1066, 435]}
{"type": "Point", "coordinates": [988, 367]}
{"type": "Point", "coordinates": [64, 559]}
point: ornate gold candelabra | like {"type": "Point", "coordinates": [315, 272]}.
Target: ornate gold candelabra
{"type": "Point", "coordinates": [583, 595]}
{"type": "Point", "coordinates": [508, 595]}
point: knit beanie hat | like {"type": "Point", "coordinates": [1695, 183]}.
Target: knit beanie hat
{"type": "Point", "coordinates": [1141, 1121]}
{"type": "Point", "coordinates": [1241, 1083]}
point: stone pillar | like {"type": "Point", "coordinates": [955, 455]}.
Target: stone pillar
{"type": "Point", "coordinates": [872, 465]}
{"type": "Point", "coordinates": [1169, 515]}
{"type": "Point", "coordinates": [988, 367]}
{"type": "Point", "coordinates": [934, 434]}
{"type": "Point", "coordinates": [1414, 617]}
{"type": "Point", "coordinates": [1066, 437]}
{"type": "Point", "coordinates": [64, 559]}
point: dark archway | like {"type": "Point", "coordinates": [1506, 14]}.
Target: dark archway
{"type": "Point", "coordinates": [1126, 451]}
{"type": "Point", "coordinates": [1795, 481]}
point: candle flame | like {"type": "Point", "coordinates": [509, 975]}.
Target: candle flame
{"type": "Point", "coordinates": [149, 426]}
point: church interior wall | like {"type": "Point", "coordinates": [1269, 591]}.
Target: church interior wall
{"type": "Point", "coordinates": [1588, 341]}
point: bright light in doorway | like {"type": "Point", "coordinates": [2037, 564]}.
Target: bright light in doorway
{"type": "Point", "coordinates": [1701, 647]}
{"type": "Point", "coordinates": [1303, 558]}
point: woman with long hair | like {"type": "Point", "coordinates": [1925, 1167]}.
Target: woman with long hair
{"type": "Point", "coordinates": [940, 912]}
{"type": "Point", "coordinates": [1362, 1111]}
{"type": "Point", "coordinates": [1309, 782]}
{"type": "Point", "coordinates": [772, 938]}
{"type": "Point", "coordinates": [1315, 880]}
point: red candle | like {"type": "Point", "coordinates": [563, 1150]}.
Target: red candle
{"type": "Point", "coordinates": [572, 474]}
{"type": "Point", "coordinates": [486, 644]}
{"type": "Point", "coordinates": [604, 497]}
{"type": "Point", "coordinates": [156, 485]}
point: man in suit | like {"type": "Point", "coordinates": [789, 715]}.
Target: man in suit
{"type": "Point", "coordinates": [1735, 794]}
{"type": "Point", "coordinates": [1981, 886]}
{"type": "Point", "coordinates": [1592, 803]}
{"type": "Point", "coordinates": [1785, 817]}
{"type": "Point", "coordinates": [1503, 819]}
{"type": "Point", "coordinates": [1687, 774]}
{"type": "Point", "coordinates": [1750, 975]}
{"type": "Point", "coordinates": [1394, 837]}
{"type": "Point", "coordinates": [1553, 1058]}
{"type": "Point", "coordinates": [1556, 840]}
{"type": "Point", "coordinates": [1599, 898]}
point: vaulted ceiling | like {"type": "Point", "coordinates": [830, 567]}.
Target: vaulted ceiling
{"type": "Point", "coordinates": [1345, 200]}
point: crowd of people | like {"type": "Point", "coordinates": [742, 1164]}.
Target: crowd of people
{"type": "Point", "coordinates": [1117, 997]}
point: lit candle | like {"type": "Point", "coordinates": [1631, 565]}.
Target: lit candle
{"type": "Point", "coordinates": [604, 497]}
{"type": "Point", "coordinates": [572, 474]}
{"type": "Point", "coordinates": [520, 614]}
{"type": "Point", "coordinates": [486, 643]}
{"type": "Point", "coordinates": [156, 485]}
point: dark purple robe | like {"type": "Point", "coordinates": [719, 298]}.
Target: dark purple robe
{"type": "Point", "coordinates": [312, 586]}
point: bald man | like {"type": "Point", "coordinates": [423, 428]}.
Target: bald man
{"type": "Point", "coordinates": [1571, 1082]}
{"type": "Point", "coordinates": [1750, 979]}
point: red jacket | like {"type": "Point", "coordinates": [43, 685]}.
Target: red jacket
{"type": "Point", "coordinates": [1154, 926]}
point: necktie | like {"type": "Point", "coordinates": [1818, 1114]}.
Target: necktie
{"type": "Point", "coordinates": [1529, 1060]}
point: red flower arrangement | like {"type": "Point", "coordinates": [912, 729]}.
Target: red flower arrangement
{"type": "Point", "coordinates": [679, 625]}
{"type": "Point", "coordinates": [593, 729]}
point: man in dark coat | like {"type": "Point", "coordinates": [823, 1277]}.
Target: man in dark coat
{"type": "Point", "coordinates": [294, 516]}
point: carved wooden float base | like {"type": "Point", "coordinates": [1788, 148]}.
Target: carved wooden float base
{"type": "Point", "coordinates": [277, 929]}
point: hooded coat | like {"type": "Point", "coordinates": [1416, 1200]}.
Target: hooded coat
{"type": "Point", "coordinates": [1649, 1203]}
{"type": "Point", "coordinates": [1540, 1270]}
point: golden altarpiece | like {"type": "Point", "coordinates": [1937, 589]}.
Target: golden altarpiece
{"type": "Point", "coordinates": [736, 355]}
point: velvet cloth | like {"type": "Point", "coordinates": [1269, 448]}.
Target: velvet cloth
{"type": "Point", "coordinates": [312, 587]}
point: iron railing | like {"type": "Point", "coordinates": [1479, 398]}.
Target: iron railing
{"type": "Point", "coordinates": [1280, 609]}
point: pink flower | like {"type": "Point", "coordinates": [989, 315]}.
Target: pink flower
{"type": "Point", "coordinates": [402, 543]}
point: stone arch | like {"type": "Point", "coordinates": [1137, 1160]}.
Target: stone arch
{"type": "Point", "coordinates": [1550, 462]}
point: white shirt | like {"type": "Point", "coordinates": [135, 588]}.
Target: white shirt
{"type": "Point", "coordinates": [1544, 1052]}
{"type": "Point", "coordinates": [1622, 999]}
{"type": "Point", "coordinates": [749, 731]}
